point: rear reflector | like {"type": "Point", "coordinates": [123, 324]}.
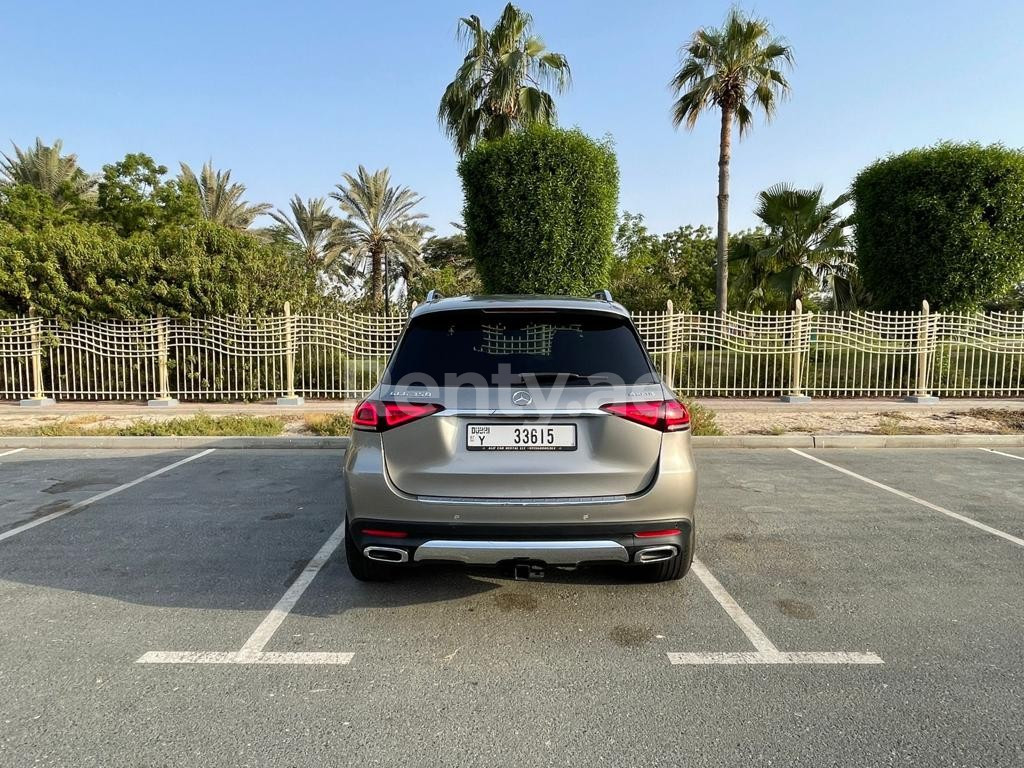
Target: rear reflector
{"type": "Point", "coordinates": [653, 534]}
{"type": "Point", "coordinates": [384, 534]}
{"type": "Point", "coordinates": [379, 416]}
{"type": "Point", "coordinates": [663, 415]}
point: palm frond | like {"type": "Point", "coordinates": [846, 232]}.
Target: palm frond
{"type": "Point", "coordinates": [52, 173]}
{"type": "Point", "coordinates": [379, 226]}
{"type": "Point", "coordinates": [220, 200]}
{"type": "Point", "coordinates": [504, 81]}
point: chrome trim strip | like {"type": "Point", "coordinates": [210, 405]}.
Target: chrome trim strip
{"type": "Point", "coordinates": [522, 413]}
{"type": "Point", "coordinates": [493, 552]}
{"type": "Point", "coordinates": [487, 501]}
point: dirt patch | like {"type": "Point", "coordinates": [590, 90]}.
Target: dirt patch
{"type": "Point", "coordinates": [278, 516]}
{"type": "Point", "coordinates": [796, 609]}
{"type": "Point", "coordinates": [49, 509]}
{"type": "Point", "coordinates": [515, 601]}
{"type": "Point", "coordinates": [77, 485]}
{"type": "Point", "coordinates": [626, 636]}
{"type": "Point", "coordinates": [1011, 420]}
{"type": "Point", "coordinates": [298, 566]}
{"type": "Point", "coordinates": [887, 421]}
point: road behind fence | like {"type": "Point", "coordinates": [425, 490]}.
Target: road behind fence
{"type": "Point", "coordinates": [704, 355]}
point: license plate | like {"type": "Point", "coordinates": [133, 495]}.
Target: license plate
{"type": "Point", "coordinates": [521, 437]}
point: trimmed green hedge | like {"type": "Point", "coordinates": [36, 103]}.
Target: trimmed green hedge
{"type": "Point", "coordinates": [540, 211]}
{"type": "Point", "coordinates": [945, 223]}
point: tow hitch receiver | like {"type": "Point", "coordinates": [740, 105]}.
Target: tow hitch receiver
{"type": "Point", "coordinates": [526, 571]}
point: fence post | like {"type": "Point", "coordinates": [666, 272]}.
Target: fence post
{"type": "Point", "coordinates": [163, 399]}
{"type": "Point", "coordinates": [796, 357]}
{"type": "Point", "coordinates": [923, 330]}
{"type": "Point", "coordinates": [38, 397]}
{"type": "Point", "coordinates": [670, 341]}
{"type": "Point", "coordinates": [290, 397]}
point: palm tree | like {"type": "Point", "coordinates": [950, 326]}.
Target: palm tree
{"type": "Point", "coordinates": [736, 69]}
{"type": "Point", "coordinates": [46, 169]}
{"type": "Point", "coordinates": [806, 246]}
{"type": "Point", "coordinates": [379, 225]}
{"type": "Point", "coordinates": [219, 200]}
{"type": "Point", "coordinates": [309, 226]}
{"type": "Point", "coordinates": [500, 86]}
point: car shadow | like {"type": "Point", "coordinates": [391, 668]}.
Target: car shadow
{"type": "Point", "coordinates": [229, 531]}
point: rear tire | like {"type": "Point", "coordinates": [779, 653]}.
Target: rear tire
{"type": "Point", "coordinates": [361, 567]}
{"type": "Point", "coordinates": [677, 567]}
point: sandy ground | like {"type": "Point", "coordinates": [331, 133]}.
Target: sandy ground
{"type": "Point", "coordinates": [888, 422]}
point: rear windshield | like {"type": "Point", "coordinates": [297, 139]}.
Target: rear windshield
{"type": "Point", "coordinates": [502, 347]}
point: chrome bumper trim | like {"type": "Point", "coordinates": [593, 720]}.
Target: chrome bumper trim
{"type": "Point", "coordinates": [493, 552]}
{"type": "Point", "coordinates": [488, 501]}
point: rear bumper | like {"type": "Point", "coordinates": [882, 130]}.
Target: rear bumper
{"type": "Point", "coordinates": [494, 544]}
{"type": "Point", "coordinates": [493, 552]}
{"type": "Point", "coordinates": [669, 497]}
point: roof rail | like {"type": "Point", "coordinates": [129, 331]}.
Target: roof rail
{"type": "Point", "coordinates": [603, 296]}
{"type": "Point", "coordinates": [433, 296]}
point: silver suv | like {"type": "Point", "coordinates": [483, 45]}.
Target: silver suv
{"type": "Point", "coordinates": [526, 431]}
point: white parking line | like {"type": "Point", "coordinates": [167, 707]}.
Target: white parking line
{"type": "Point", "coordinates": [767, 652]}
{"type": "Point", "coordinates": [238, 657]}
{"type": "Point", "coordinates": [990, 450]}
{"type": "Point", "coordinates": [754, 634]}
{"type": "Point", "coordinates": [252, 651]}
{"type": "Point", "coordinates": [15, 450]}
{"type": "Point", "coordinates": [100, 496]}
{"type": "Point", "coordinates": [902, 494]}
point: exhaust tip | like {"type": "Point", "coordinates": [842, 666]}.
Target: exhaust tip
{"type": "Point", "coordinates": [655, 554]}
{"type": "Point", "coordinates": [386, 554]}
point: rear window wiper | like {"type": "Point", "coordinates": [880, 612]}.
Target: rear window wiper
{"type": "Point", "coordinates": [563, 376]}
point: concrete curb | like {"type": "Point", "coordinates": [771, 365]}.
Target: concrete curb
{"type": "Point", "coordinates": [339, 443]}
{"type": "Point", "coordinates": [174, 442]}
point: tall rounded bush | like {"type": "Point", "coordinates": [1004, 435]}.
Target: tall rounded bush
{"type": "Point", "coordinates": [540, 211]}
{"type": "Point", "coordinates": [945, 223]}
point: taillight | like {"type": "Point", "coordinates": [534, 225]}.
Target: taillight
{"type": "Point", "coordinates": [379, 416]}
{"type": "Point", "coordinates": [663, 415]}
{"type": "Point", "coordinates": [384, 534]}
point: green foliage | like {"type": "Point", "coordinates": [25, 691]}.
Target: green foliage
{"type": "Point", "coordinates": [142, 250]}
{"type": "Point", "coordinates": [198, 425]}
{"type": "Point", "coordinates": [45, 169]}
{"type": "Point", "coordinates": [134, 197]}
{"type": "Point", "coordinates": [737, 69]}
{"type": "Point", "coordinates": [203, 425]}
{"type": "Point", "coordinates": [220, 200]}
{"type": "Point", "coordinates": [499, 88]}
{"type": "Point", "coordinates": [447, 267]}
{"type": "Point", "coordinates": [329, 424]}
{"type": "Point", "coordinates": [703, 420]}
{"type": "Point", "coordinates": [648, 270]}
{"type": "Point", "coordinates": [380, 230]}
{"type": "Point", "coordinates": [309, 227]}
{"type": "Point", "coordinates": [805, 247]}
{"type": "Point", "coordinates": [540, 211]}
{"type": "Point", "coordinates": [944, 223]}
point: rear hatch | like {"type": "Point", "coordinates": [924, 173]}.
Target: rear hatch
{"type": "Point", "coordinates": [522, 395]}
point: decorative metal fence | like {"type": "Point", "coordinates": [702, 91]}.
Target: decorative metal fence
{"type": "Point", "coordinates": [704, 355]}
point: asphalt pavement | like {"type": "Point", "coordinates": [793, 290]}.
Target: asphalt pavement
{"type": "Point", "coordinates": [193, 607]}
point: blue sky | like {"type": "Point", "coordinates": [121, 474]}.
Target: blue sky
{"type": "Point", "coordinates": [289, 95]}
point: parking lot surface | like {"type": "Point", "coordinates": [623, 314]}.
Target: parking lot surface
{"type": "Point", "coordinates": [190, 607]}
